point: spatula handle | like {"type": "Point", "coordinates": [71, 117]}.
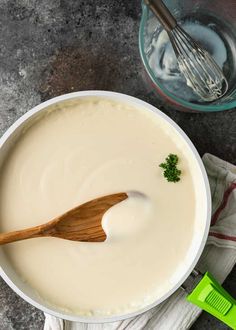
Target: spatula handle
{"type": "Point", "coordinates": [162, 13]}
{"type": "Point", "coordinates": [19, 235]}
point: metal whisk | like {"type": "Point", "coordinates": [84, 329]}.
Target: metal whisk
{"type": "Point", "coordinates": [200, 70]}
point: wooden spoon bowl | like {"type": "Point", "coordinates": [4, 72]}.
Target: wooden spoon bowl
{"type": "Point", "coordinates": [82, 223]}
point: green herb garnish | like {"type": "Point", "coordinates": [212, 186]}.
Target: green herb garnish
{"type": "Point", "coordinates": [171, 172]}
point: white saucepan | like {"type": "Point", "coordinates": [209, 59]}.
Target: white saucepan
{"type": "Point", "coordinates": [202, 227]}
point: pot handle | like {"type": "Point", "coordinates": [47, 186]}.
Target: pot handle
{"type": "Point", "coordinates": [211, 297]}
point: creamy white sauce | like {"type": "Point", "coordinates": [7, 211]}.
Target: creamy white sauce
{"type": "Point", "coordinates": [82, 150]}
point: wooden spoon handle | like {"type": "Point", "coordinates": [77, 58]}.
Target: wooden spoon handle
{"type": "Point", "coordinates": [21, 234]}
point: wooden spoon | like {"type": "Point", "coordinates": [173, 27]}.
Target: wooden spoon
{"type": "Point", "coordinates": [83, 223]}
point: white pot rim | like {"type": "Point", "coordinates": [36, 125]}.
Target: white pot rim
{"type": "Point", "coordinates": [130, 99]}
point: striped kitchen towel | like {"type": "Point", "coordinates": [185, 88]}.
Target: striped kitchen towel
{"type": "Point", "coordinates": [219, 257]}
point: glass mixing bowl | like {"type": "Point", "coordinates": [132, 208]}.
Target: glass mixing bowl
{"type": "Point", "coordinates": [210, 23]}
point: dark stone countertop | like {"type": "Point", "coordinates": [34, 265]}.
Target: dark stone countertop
{"type": "Point", "coordinates": [53, 47]}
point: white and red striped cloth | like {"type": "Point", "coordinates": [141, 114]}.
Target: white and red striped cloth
{"type": "Point", "coordinates": [219, 257]}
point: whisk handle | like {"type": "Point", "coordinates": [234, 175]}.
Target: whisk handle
{"type": "Point", "coordinates": [162, 13]}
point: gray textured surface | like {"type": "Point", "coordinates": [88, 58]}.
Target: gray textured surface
{"type": "Point", "coordinates": [53, 47]}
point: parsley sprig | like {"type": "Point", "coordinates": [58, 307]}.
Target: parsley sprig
{"type": "Point", "coordinates": [171, 172]}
